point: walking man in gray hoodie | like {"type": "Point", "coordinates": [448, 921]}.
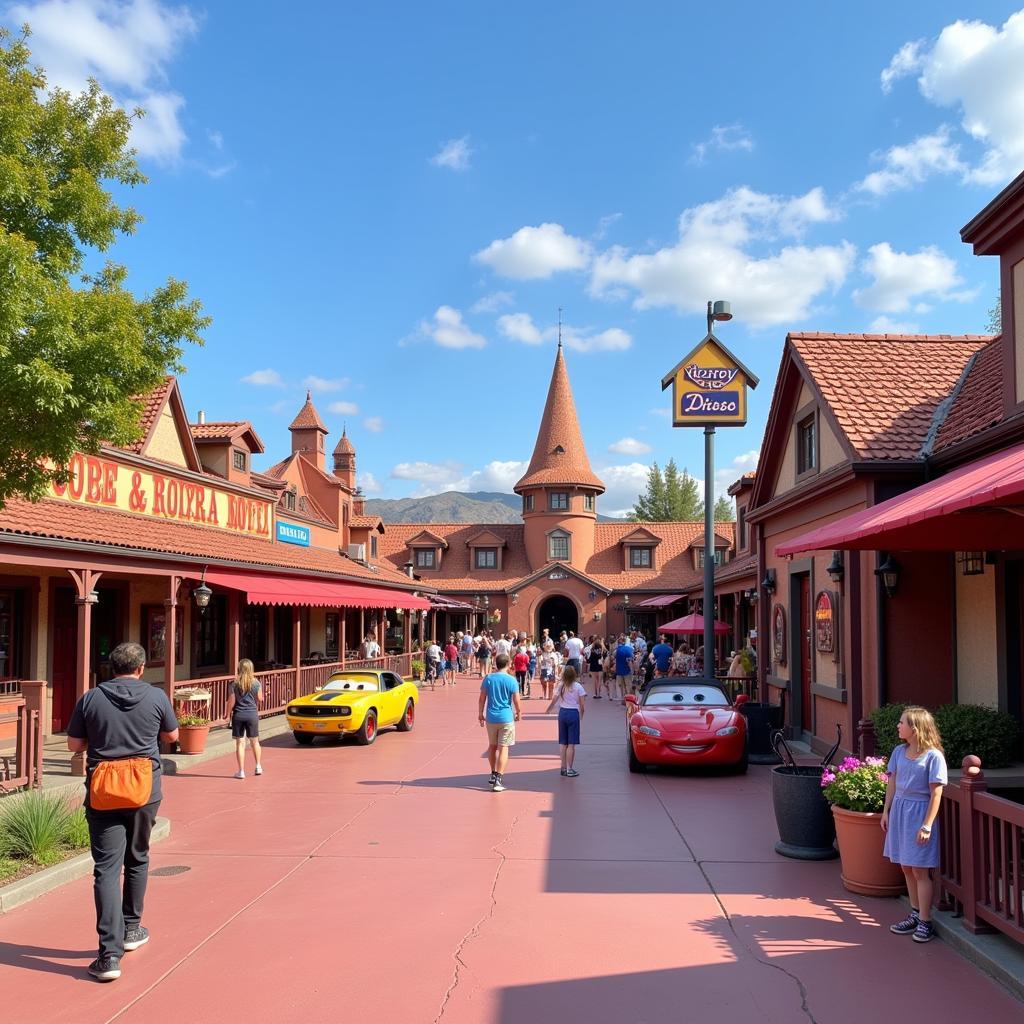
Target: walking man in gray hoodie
{"type": "Point", "coordinates": [120, 724]}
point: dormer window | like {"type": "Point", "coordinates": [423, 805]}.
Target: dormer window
{"type": "Point", "coordinates": [240, 460]}
{"type": "Point", "coordinates": [640, 558]}
{"type": "Point", "coordinates": [558, 501]}
{"type": "Point", "coordinates": [719, 555]}
{"type": "Point", "coordinates": [807, 445]}
{"type": "Point", "coordinates": [373, 545]}
{"type": "Point", "coordinates": [589, 502]}
{"type": "Point", "coordinates": [558, 546]}
{"type": "Point", "coordinates": [485, 558]}
{"type": "Point", "coordinates": [559, 450]}
{"type": "Point", "coordinates": [527, 502]}
{"type": "Point", "coordinates": [426, 558]}
{"type": "Point", "coordinates": [289, 500]}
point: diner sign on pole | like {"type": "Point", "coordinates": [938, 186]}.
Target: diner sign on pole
{"type": "Point", "coordinates": [709, 389]}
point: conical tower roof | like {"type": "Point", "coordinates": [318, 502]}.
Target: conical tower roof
{"type": "Point", "coordinates": [308, 418]}
{"type": "Point", "coordinates": [344, 445]}
{"type": "Point", "coordinates": [559, 456]}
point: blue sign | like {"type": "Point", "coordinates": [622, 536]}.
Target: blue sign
{"type": "Point", "coordinates": [291, 533]}
{"type": "Point", "coordinates": [710, 403]}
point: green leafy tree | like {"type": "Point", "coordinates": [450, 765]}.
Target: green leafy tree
{"type": "Point", "coordinates": [994, 324]}
{"type": "Point", "coordinates": [76, 349]}
{"type": "Point", "coordinates": [671, 496]}
{"type": "Point", "coordinates": [651, 503]}
{"type": "Point", "coordinates": [724, 510]}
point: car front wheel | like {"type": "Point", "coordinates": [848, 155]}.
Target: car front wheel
{"type": "Point", "coordinates": [408, 719]}
{"type": "Point", "coordinates": [303, 738]}
{"type": "Point", "coordinates": [636, 766]}
{"type": "Point", "coordinates": [368, 730]}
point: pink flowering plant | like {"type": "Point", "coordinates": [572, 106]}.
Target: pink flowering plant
{"type": "Point", "coordinates": [856, 785]}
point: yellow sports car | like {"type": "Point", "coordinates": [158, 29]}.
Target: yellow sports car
{"type": "Point", "coordinates": [358, 702]}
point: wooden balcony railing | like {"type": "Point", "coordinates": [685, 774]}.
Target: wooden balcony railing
{"type": "Point", "coordinates": [25, 768]}
{"type": "Point", "coordinates": [982, 844]}
{"type": "Point", "coordinates": [279, 684]}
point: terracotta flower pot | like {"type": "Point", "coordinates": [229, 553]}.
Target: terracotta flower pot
{"type": "Point", "coordinates": [865, 869]}
{"type": "Point", "coordinates": [192, 738]}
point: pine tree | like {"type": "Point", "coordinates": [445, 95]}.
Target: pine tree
{"type": "Point", "coordinates": [724, 510]}
{"type": "Point", "coordinates": [651, 503]}
{"type": "Point", "coordinates": [994, 323]}
{"type": "Point", "coordinates": [682, 498]}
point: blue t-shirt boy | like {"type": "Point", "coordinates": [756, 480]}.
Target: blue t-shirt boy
{"type": "Point", "coordinates": [624, 660]}
{"type": "Point", "coordinates": [499, 687]}
{"type": "Point", "coordinates": [662, 655]}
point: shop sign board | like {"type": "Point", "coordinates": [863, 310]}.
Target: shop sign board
{"type": "Point", "coordinates": [825, 623]}
{"type": "Point", "coordinates": [709, 387]}
{"type": "Point", "coordinates": [293, 533]}
{"type": "Point", "coordinates": [779, 634]}
{"type": "Point", "coordinates": [103, 482]}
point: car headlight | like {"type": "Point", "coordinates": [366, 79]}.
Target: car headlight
{"type": "Point", "coordinates": [344, 712]}
{"type": "Point", "coordinates": [729, 730]}
{"type": "Point", "coordinates": [648, 730]}
{"type": "Point", "coordinates": [292, 711]}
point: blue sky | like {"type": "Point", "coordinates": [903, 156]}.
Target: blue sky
{"type": "Point", "coordinates": [389, 202]}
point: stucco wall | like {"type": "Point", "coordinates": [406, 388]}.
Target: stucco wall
{"type": "Point", "coordinates": [976, 649]}
{"type": "Point", "coordinates": [165, 443]}
{"type": "Point", "coordinates": [830, 451]}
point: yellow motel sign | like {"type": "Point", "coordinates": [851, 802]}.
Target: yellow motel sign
{"type": "Point", "coordinates": [709, 387]}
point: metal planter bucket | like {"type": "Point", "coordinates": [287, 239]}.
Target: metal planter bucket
{"type": "Point", "coordinates": [807, 829]}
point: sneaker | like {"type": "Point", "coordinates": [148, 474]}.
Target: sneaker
{"type": "Point", "coordinates": [492, 779]}
{"type": "Point", "coordinates": [259, 769]}
{"type": "Point", "coordinates": [105, 968]}
{"type": "Point", "coordinates": [924, 932]}
{"type": "Point", "coordinates": [907, 925]}
{"type": "Point", "coordinates": [564, 772]}
{"type": "Point", "coordinates": [572, 773]}
{"type": "Point", "coordinates": [135, 937]}
{"type": "Point", "coordinates": [498, 786]}
{"type": "Point", "coordinates": [239, 775]}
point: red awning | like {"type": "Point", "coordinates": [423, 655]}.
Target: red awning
{"type": "Point", "coordinates": [313, 593]}
{"type": "Point", "coordinates": [663, 601]}
{"type": "Point", "coordinates": [979, 507]}
{"type": "Point", "coordinates": [693, 624]}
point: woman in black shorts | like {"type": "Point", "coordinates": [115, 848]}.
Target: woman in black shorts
{"type": "Point", "coordinates": [595, 663]}
{"type": "Point", "coordinates": [243, 712]}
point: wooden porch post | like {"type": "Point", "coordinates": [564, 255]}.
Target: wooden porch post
{"type": "Point", "coordinates": [341, 635]}
{"type": "Point", "coordinates": [972, 866]}
{"type": "Point", "coordinates": [85, 597]}
{"type": "Point", "coordinates": [407, 630]}
{"type": "Point", "coordinates": [234, 630]}
{"type": "Point", "coordinates": [297, 648]}
{"type": "Point", "coordinates": [170, 637]}
{"type": "Point", "coordinates": [362, 625]}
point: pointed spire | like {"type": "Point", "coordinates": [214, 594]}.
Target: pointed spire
{"type": "Point", "coordinates": [559, 456]}
{"type": "Point", "coordinates": [344, 445]}
{"type": "Point", "coordinates": [308, 418]}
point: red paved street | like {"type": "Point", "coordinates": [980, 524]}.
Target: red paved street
{"type": "Point", "coordinates": [390, 884]}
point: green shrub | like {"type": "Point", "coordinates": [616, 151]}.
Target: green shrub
{"type": "Point", "coordinates": [418, 668]}
{"type": "Point", "coordinates": [33, 826]}
{"type": "Point", "coordinates": [964, 728]}
{"type": "Point", "coordinates": [7, 868]}
{"type": "Point", "coordinates": [77, 834]}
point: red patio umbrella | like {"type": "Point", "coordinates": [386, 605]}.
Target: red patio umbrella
{"type": "Point", "coordinates": [693, 623]}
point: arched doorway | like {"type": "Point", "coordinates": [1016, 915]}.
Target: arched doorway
{"type": "Point", "coordinates": [557, 613]}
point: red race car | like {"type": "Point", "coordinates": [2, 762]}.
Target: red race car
{"type": "Point", "coordinates": [685, 722]}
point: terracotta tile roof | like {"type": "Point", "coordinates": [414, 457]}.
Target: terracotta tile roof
{"type": "Point", "coordinates": [226, 432]}
{"type": "Point", "coordinates": [344, 445]}
{"type": "Point", "coordinates": [62, 520]}
{"type": "Point", "coordinates": [365, 522]}
{"type": "Point", "coordinates": [884, 388]}
{"type": "Point", "coordinates": [559, 456]}
{"type": "Point", "coordinates": [267, 482]}
{"type": "Point", "coordinates": [979, 404]}
{"type": "Point", "coordinates": [308, 418]}
{"type": "Point", "coordinates": [738, 568]}
{"type": "Point", "coordinates": [151, 406]}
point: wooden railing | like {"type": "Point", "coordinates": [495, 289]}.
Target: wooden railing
{"type": "Point", "coordinates": [278, 685]}
{"type": "Point", "coordinates": [982, 855]}
{"type": "Point", "coordinates": [25, 769]}
{"type": "Point", "coordinates": [10, 687]}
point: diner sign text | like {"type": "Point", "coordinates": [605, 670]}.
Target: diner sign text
{"type": "Point", "coordinates": [708, 388]}
{"type": "Point", "coordinates": [105, 483]}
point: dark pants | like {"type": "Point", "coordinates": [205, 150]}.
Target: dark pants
{"type": "Point", "coordinates": [119, 839]}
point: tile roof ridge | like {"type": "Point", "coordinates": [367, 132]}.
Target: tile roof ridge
{"type": "Point", "coordinates": [942, 410]}
{"type": "Point", "coordinates": [854, 336]}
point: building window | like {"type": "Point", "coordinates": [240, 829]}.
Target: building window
{"type": "Point", "coordinates": [289, 500]}
{"type": "Point", "coordinates": [639, 558]}
{"type": "Point", "coordinates": [331, 636]}
{"type": "Point", "coordinates": [589, 502]}
{"type": "Point", "coordinates": [485, 558]}
{"type": "Point", "coordinates": [254, 633]}
{"type": "Point", "coordinates": [373, 545]}
{"type": "Point", "coordinates": [239, 459]}
{"type": "Point", "coordinates": [741, 527]}
{"type": "Point", "coordinates": [558, 547]}
{"type": "Point", "coordinates": [10, 635]}
{"type": "Point", "coordinates": [426, 558]}
{"type": "Point", "coordinates": [558, 501]}
{"type": "Point", "coordinates": [527, 502]}
{"type": "Point", "coordinates": [719, 553]}
{"type": "Point", "coordinates": [211, 633]}
{"type": "Point", "coordinates": [806, 445]}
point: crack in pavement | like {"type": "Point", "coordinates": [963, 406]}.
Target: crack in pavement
{"type": "Point", "coordinates": [801, 987]}
{"type": "Point", "coordinates": [460, 964]}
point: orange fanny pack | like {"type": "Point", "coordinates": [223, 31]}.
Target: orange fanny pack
{"type": "Point", "coordinates": [121, 785]}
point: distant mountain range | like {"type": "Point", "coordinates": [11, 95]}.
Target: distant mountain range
{"type": "Point", "coordinates": [454, 507]}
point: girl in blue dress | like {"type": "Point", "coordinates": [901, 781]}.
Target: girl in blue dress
{"type": "Point", "coordinates": [917, 773]}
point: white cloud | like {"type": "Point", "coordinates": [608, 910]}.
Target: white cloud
{"type": "Point", "coordinates": [454, 154]}
{"type": "Point", "coordinates": [432, 477]}
{"type": "Point", "coordinates": [976, 69]}
{"type": "Point", "coordinates": [726, 476]}
{"type": "Point", "coordinates": [435, 477]}
{"type": "Point", "coordinates": [495, 476]}
{"type": "Point", "coordinates": [520, 327]}
{"type": "Point", "coordinates": [369, 483]}
{"type": "Point", "coordinates": [886, 325]}
{"type": "Point", "coordinates": [343, 408]}
{"type": "Point", "coordinates": [126, 46]}
{"type": "Point", "coordinates": [492, 303]}
{"type": "Point", "coordinates": [623, 485]}
{"type": "Point", "coordinates": [448, 330]}
{"type": "Point", "coordinates": [713, 257]}
{"type": "Point", "coordinates": [906, 166]}
{"type": "Point", "coordinates": [536, 252]}
{"type": "Point", "coordinates": [315, 383]}
{"type": "Point", "coordinates": [267, 378]}
{"type": "Point", "coordinates": [629, 446]}
{"type": "Point", "coordinates": [375, 424]}
{"type": "Point", "coordinates": [605, 223]}
{"type": "Point", "coordinates": [900, 278]}
{"type": "Point", "coordinates": [724, 138]}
